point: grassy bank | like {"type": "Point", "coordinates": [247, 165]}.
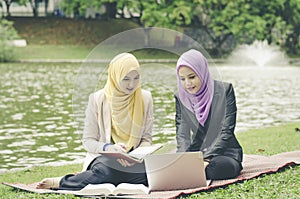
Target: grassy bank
{"type": "Point", "coordinates": [54, 38]}
{"type": "Point", "coordinates": [65, 31]}
{"type": "Point", "coordinates": [52, 52]}
{"type": "Point", "coordinates": [265, 141]}
{"type": "Point", "coordinates": [71, 52]}
{"type": "Point", "coordinates": [64, 39]}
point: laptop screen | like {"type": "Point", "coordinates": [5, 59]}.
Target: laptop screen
{"type": "Point", "coordinates": [175, 171]}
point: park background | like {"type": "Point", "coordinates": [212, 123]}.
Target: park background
{"type": "Point", "coordinates": [37, 79]}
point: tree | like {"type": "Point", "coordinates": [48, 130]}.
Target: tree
{"type": "Point", "coordinates": [75, 7]}
{"type": "Point", "coordinates": [245, 20]}
{"type": "Point", "coordinates": [291, 16]}
{"type": "Point", "coordinates": [79, 7]}
{"type": "Point", "coordinates": [7, 35]}
{"type": "Point", "coordinates": [111, 9]}
{"type": "Point", "coordinates": [166, 13]}
{"type": "Point", "coordinates": [46, 7]}
{"type": "Point", "coordinates": [116, 8]}
{"type": "Point", "coordinates": [33, 3]}
{"type": "Point", "coordinates": [215, 18]}
{"type": "Point", "coordinates": [223, 21]}
{"type": "Point", "coordinates": [8, 4]}
{"type": "Point", "coordinates": [35, 7]}
{"type": "Point", "coordinates": [279, 22]}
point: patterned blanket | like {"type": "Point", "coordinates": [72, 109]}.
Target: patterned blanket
{"type": "Point", "coordinates": [253, 166]}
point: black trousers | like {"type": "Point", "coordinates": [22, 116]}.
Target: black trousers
{"type": "Point", "coordinates": [105, 170]}
{"type": "Point", "coordinates": [223, 167]}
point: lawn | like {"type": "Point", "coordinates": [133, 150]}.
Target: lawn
{"type": "Point", "coordinates": [266, 141]}
{"type": "Point", "coordinates": [69, 53]}
{"type": "Point", "coordinates": [54, 38]}
{"type": "Point", "coordinates": [66, 31]}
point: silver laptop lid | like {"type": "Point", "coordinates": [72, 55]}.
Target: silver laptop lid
{"type": "Point", "coordinates": [175, 171]}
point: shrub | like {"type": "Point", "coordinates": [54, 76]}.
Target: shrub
{"type": "Point", "coordinates": [7, 35]}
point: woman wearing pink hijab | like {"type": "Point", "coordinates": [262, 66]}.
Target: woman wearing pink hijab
{"type": "Point", "coordinates": [206, 117]}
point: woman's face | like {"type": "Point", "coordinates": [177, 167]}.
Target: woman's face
{"type": "Point", "coordinates": [189, 80]}
{"type": "Point", "coordinates": [129, 83]}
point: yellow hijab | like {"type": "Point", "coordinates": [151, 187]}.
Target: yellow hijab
{"type": "Point", "coordinates": [127, 110]}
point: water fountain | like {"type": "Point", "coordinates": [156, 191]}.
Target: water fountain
{"type": "Point", "coordinates": [259, 53]}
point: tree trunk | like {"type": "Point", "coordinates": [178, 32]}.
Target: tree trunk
{"type": "Point", "coordinates": [46, 7]}
{"type": "Point", "coordinates": [147, 37]}
{"type": "Point", "coordinates": [35, 6]}
{"type": "Point", "coordinates": [111, 10]}
{"type": "Point", "coordinates": [7, 3]}
{"type": "Point", "coordinates": [292, 42]}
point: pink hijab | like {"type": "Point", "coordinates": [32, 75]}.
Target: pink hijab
{"type": "Point", "coordinates": [200, 102]}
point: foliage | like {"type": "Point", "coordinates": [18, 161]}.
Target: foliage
{"type": "Point", "coordinates": [276, 21]}
{"type": "Point", "coordinates": [291, 27]}
{"type": "Point", "coordinates": [249, 20]}
{"type": "Point", "coordinates": [7, 35]}
{"type": "Point", "coordinates": [74, 7]}
{"type": "Point", "coordinates": [170, 14]}
{"type": "Point", "coordinates": [246, 21]}
{"type": "Point", "coordinates": [9, 2]}
{"type": "Point", "coordinates": [34, 6]}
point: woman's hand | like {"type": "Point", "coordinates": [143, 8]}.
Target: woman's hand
{"type": "Point", "coordinates": [119, 147]}
{"type": "Point", "coordinates": [125, 163]}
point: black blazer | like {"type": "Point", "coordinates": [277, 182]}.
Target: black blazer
{"type": "Point", "coordinates": [216, 137]}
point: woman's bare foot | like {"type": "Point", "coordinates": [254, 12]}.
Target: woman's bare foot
{"type": "Point", "coordinates": [48, 183]}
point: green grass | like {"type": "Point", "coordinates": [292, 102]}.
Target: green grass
{"type": "Point", "coordinates": [52, 52]}
{"type": "Point", "coordinates": [64, 38]}
{"type": "Point", "coordinates": [271, 140]}
{"type": "Point", "coordinates": [50, 38]}
{"type": "Point", "coordinates": [66, 31]}
{"type": "Point", "coordinates": [70, 52]}
{"type": "Point", "coordinates": [266, 141]}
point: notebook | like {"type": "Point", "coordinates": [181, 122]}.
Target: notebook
{"type": "Point", "coordinates": [175, 171]}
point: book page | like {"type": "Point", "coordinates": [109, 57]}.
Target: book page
{"type": "Point", "coordinates": [136, 155]}
{"type": "Point", "coordinates": [142, 151]}
{"type": "Point", "coordinates": [97, 189]}
{"type": "Point", "coordinates": [124, 156]}
{"type": "Point", "coordinates": [127, 188]}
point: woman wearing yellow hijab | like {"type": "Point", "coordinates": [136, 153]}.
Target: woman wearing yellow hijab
{"type": "Point", "coordinates": [124, 95]}
{"type": "Point", "coordinates": [119, 117]}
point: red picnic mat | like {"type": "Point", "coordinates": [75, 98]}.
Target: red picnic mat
{"type": "Point", "coordinates": [253, 166]}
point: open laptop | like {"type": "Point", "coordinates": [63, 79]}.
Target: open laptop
{"type": "Point", "coordinates": [174, 171]}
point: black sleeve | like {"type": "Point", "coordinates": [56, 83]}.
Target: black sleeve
{"type": "Point", "coordinates": [227, 143]}
{"type": "Point", "coordinates": [183, 135]}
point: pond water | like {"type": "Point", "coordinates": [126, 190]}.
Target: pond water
{"type": "Point", "coordinates": [42, 106]}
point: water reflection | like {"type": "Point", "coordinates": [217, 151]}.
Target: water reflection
{"type": "Point", "coordinates": [265, 95]}
{"type": "Point", "coordinates": [36, 124]}
{"type": "Point", "coordinates": [41, 116]}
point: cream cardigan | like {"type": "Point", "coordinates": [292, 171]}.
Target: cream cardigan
{"type": "Point", "coordinates": [97, 125]}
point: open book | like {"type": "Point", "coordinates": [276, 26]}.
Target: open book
{"type": "Point", "coordinates": [137, 155]}
{"type": "Point", "coordinates": [110, 189]}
